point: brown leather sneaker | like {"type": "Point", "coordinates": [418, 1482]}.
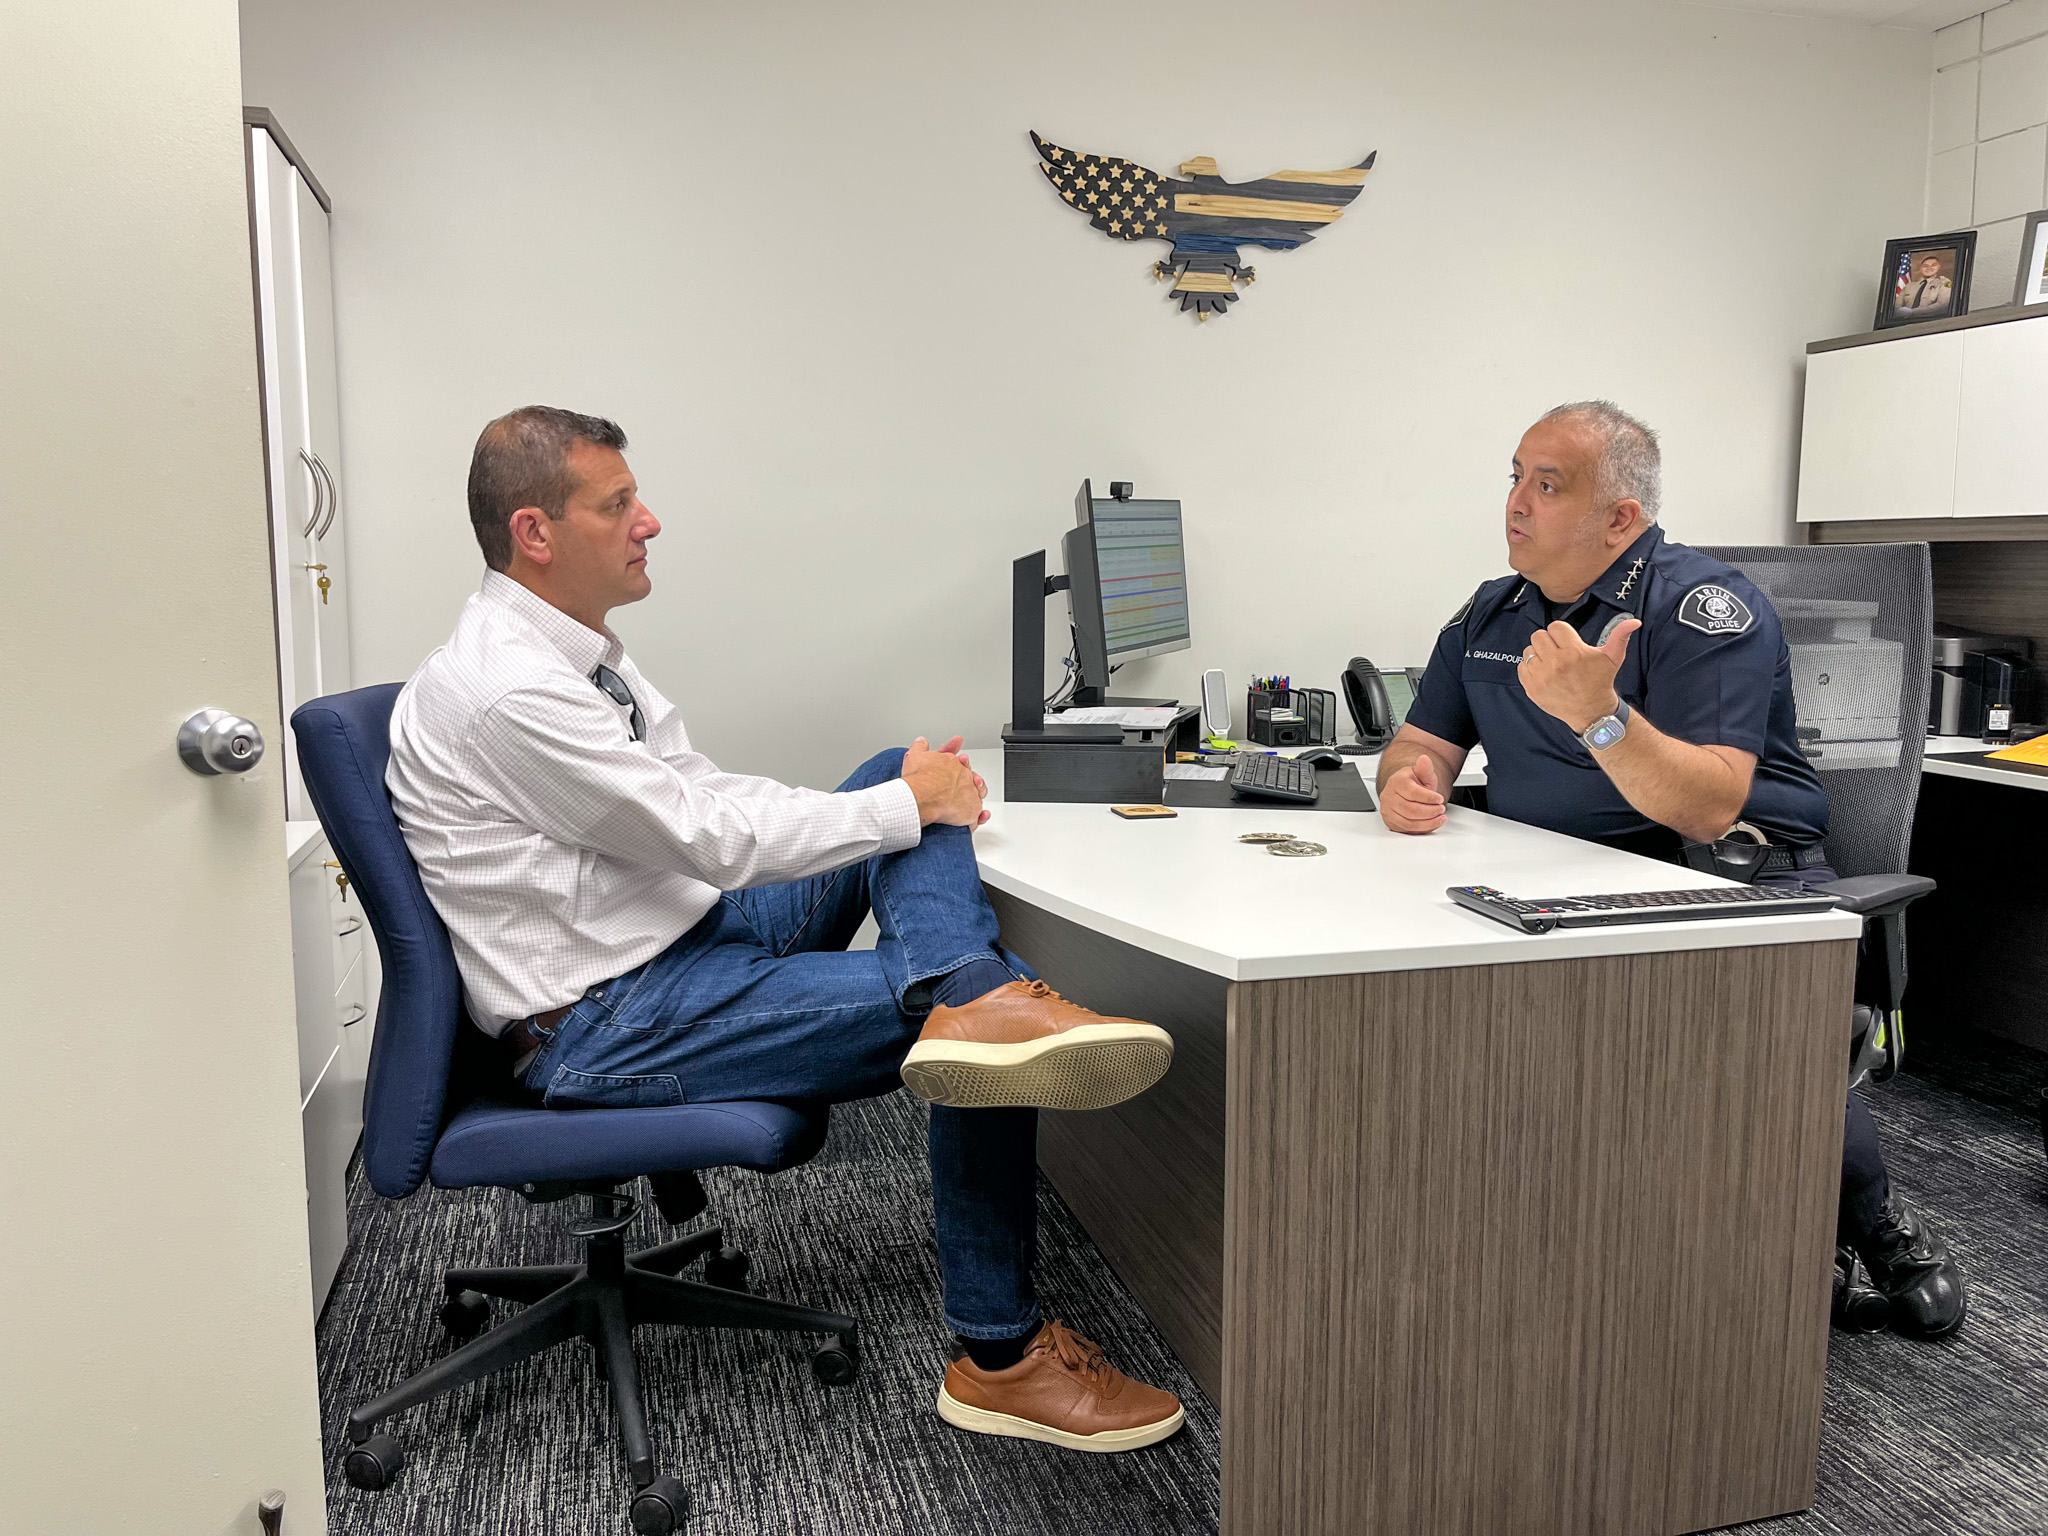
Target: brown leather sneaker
{"type": "Point", "coordinates": [1062, 1392]}
{"type": "Point", "coordinates": [1025, 1044]}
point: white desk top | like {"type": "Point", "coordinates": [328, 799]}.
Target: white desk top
{"type": "Point", "coordinates": [1940, 748]}
{"type": "Point", "coordinates": [1186, 888]}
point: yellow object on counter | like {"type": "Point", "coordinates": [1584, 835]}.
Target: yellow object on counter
{"type": "Point", "coordinates": [2035, 752]}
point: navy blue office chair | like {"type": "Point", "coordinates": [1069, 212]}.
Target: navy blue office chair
{"type": "Point", "coordinates": [441, 1105]}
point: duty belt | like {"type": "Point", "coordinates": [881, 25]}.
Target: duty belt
{"type": "Point", "coordinates": [1745, 858]}
{"type": "Point", "coordinates": [1778, 860]}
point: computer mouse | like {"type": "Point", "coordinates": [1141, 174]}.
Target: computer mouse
{"type": "Point", "coordinates": [1320, 757]}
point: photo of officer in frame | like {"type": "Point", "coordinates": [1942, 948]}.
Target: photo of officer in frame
{"type": "Point", "coordinates": [2032, 285]}
{"type": "Point", "coordinates": [1925, 278]}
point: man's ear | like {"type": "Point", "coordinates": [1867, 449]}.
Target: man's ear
{"type": "Point", "coordinates": [1624, 520]}
{"type": "Point", "coordinates": [531, 535]}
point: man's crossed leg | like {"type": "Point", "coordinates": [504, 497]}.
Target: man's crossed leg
{"type": "Point", "coordinates": [763, 1000]}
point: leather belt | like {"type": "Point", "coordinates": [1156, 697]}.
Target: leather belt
{"type": "Point", "coordinates": [522, 1037]}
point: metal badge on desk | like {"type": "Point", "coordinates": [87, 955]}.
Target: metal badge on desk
{"type": "Point", "coordinates": [1298, 848]}
{"type": "Point", "coordinates": [1267, 837]}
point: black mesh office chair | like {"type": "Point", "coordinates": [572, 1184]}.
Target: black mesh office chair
{"type": "Point", "coordinates": [1858, 622]}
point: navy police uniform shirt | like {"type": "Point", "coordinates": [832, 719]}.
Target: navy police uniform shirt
{"type": "Point", "coordinates": [1709, 666]}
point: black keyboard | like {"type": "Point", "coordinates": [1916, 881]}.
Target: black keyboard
{"type": "Point", "coordinates": [1274, 778]}
{"type": "Point", "coordinates": [1548, 912]}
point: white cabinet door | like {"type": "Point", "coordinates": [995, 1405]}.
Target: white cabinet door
{"type": "Point", "coordinates": [323, 431]}
{"type": "Point", "coordinates": [1880, 433]}
{"type": "Point", "coordinates": [296, 495]}
{"type": "Point", "coordinates": [2002, 450]}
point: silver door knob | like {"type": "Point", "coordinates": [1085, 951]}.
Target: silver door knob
{"type": "Point", "coordinates": [214, 741]}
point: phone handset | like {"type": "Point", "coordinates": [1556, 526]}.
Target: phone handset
{"type": "Point", "coordinates": [1365, 694]}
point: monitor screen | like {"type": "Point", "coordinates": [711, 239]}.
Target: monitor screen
{"type": "Point", "coordinates": [1142, 572]}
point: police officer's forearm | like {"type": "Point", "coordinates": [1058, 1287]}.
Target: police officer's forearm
{"type": "Point", "coordinates": [1416, 773]}
{"type": "Point", "coordinates": [1698, 792]}
{"type": "Point", "coordinates": [1411, 742]}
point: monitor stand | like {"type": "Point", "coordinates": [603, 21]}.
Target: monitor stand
{"type": "Point", "coordinates": [1027, 726]}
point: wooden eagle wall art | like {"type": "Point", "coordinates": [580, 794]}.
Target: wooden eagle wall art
{"type": "Point", "coordinates": [1206, 217]}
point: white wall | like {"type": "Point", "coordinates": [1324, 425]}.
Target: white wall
{"type": "Point", "coordinates": [1987, 144]}
{"type": "Point", "coordinates": [864, 355]}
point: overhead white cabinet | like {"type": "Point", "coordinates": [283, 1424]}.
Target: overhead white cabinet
{"type": "Point", "coordinates": [1880, 435]}
{"type": "Point", "coordinates": [301, 434]}
{"type": "Point", "coordinates": [2002, 448]}
{"type": "Point", "coordinates": [1947, 424]}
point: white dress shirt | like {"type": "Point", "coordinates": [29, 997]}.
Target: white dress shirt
{"type": "Point", "coordinates": [560, 851]}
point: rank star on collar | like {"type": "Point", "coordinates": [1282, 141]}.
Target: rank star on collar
{"type": "Point", "coordinates": [1629, 580]}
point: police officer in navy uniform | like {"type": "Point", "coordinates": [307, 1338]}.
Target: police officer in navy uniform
{"type": "Point", "coordinates": [1638, 693]}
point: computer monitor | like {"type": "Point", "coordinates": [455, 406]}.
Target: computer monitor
{"type": "Point", "coordinates": [1127, 587]}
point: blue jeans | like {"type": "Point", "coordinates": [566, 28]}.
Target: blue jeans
{"type": "Point", "coordinates": [762, 1000]}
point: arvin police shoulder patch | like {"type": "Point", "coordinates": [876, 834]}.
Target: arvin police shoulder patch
{"type": "Point", "coordinates": [1459, 616]}
{"type": "Point", "coordinates": [1714, 610]}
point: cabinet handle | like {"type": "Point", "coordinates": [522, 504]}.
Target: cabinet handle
{"type": "Point", "coordinates": [333, 495]}
{"type": "Point", "coordinates": [319, 498]}
{"type": "Point", "coordinates": [361, 1011]}
{"type": "Point", "coordinates": [355, 925]}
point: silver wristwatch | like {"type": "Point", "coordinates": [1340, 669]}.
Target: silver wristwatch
{"type": "Point", "coordinates": [1608, 729]}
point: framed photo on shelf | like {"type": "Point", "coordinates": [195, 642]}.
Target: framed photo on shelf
{"type": "Point", "coordinates": [1925, 278]}
{"type": "Point", "coordinates": [2032, 284]}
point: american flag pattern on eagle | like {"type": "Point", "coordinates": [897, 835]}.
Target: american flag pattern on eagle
{"type": "Point", "coordinates": [1206, 217]}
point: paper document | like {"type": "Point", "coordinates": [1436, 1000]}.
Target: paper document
{"type": "Point", "coordinates": [1130, 719]}
{"type": "Point", "coordinates": [1200, 772]}
{"type": "Point", "coordinates": [2035, 752]}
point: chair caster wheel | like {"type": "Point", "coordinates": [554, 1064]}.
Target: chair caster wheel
{"type": "Point", "coordinates": [838, 1362]}
{"type": "Point", "coordinates": [373, 1465]}
{"type": "Point", "coordinates": [465, 1314]}
{"type": "Point", "coordinates": [658, 1508]}
{"type": "Point", "coordinates": [727, 1269]}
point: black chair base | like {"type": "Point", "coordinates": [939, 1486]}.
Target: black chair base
{"type": "Point", "coordinates": [601, 1300]}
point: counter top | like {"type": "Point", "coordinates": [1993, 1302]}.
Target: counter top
{"type": "Point", "coordinates": [299, 838]}
{"type": "Point", "coordinates": [1185, 888]}
{"type": "Point", "coordinates": [1962, 757]}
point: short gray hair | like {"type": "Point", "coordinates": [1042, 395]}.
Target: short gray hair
{"type": "Point", "coordinates": [1630, 465]}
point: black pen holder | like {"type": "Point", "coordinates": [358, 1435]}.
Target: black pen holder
{"type": "Point", "coordinates": [1257, 699]}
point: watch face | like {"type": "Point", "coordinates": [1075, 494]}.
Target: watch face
{"type": "Point", "coordinates": [1605, 733]}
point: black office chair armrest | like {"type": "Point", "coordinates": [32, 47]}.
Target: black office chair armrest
{"type": "Point", "coordinates": [1881, 901]}
{"type": "Point", "coordinates": [1876, 895]}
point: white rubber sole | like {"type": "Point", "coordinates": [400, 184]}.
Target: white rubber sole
{"type": "Point", "coordinates": [983, 1422]}
{"type": "Point", "coordinates": [1090, 1066]}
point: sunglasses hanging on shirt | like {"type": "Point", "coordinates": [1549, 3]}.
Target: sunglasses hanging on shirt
{"type": "Point", "coordinates": [614, 688]}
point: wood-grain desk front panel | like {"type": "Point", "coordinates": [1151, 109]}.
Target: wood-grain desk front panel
{"type": "Point", "coordinates": [1540, 1248]}
{"type": "Point", "coordinates": [1145, 1177]}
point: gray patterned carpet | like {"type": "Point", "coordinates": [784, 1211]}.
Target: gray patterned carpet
{"type": "Point", "coordinates": [1948, 1438]}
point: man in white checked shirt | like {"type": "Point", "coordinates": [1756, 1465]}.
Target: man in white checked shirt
{"type": "Point", "coordinates": [638, 928]}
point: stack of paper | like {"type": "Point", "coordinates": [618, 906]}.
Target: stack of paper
{"type": "Point", "coordinates": [1130, 719]}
